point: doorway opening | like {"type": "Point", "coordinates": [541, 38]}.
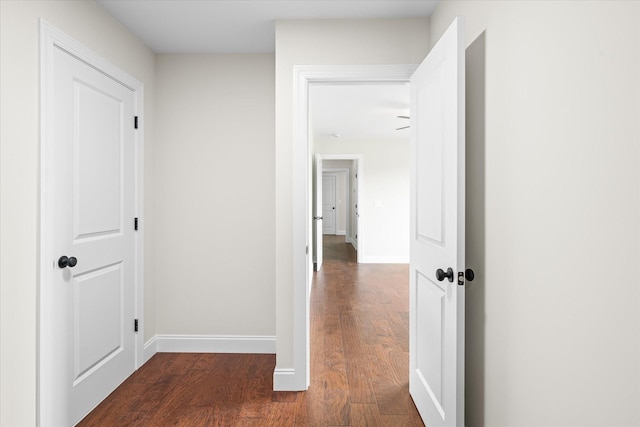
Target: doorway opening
{"type": "Point", "coordinates": [302, 218]}
{"type": "Point", "coordinates": [348, 171]}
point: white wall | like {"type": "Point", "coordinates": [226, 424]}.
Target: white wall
{"type": "Point", "coordinates": [19, 176]}
{"type": "Point", "coordinates": [215, 195]}
{"type": "Point", "coordinates": [384, 201]}
{"type": "Point", "coordinates": [317, 43]}
{"type": "Point", "coordinates": [553, 327]}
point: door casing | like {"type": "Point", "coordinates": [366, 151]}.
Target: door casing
{"type": "Point", "coordinates": [51, 38]}
{"type": "Point", "coordinates": [299, 377]}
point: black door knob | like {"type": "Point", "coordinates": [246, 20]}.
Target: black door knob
{"type": "Point", "coordinates": [64, 261]}
{"type": "Point", "coordinates": [440, 274]}
{"type": "Point", "coordinates": [469, 275]}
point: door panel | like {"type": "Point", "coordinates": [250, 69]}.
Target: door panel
{"type": "Point", "coordinates": [436, 379]}
{"type": "Point", "coordinates": [318, 219]}
{"type": "Point", "coordinates": [431, 300]}
{"type": "Point", "coordinates": [98, 153]}
{"type": "Point", "coordinates": [329, 204]}
{"type": "Point", "coordinates": [430, 213]}
{"type": "Point", "coordinates": [98, 336]}
{"type": "Point", "coordinates": [93, 186]}
{"type": "Point", "coordinates": [356, 203]}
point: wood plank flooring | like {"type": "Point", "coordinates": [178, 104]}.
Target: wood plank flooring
{"type": "Point", "coordinates": [359, 365]}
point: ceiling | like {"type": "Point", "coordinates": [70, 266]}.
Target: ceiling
{"type": "Point", "coordinates": [243, 26]}
{"type": "Point", "coordinates": [240, 26]}
{"type": "Point", "coordinates": [359, 111]}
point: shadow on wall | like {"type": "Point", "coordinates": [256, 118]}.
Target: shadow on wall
{"type": "Point", "coordinates": [475, 232]}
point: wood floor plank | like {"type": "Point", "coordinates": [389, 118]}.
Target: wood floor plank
{"type": "Point", "coordinates": [359, 365]}
{"type": "Point", "coordinates": [310, 406]}
{"type": "Point", "coordinates": [364, 415]}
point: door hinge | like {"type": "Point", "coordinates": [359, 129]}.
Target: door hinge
{"type": "Point", "coordinates": [135, 122]}
{"type": "Point", "coordinates": [135, 224]}
{"type": "Point", "coordinates": [135, 325]}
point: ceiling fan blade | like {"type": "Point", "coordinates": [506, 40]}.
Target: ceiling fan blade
{"type": "Point", "coordinates": [403, 117]}
{"type": "Point", "coordinates": [404, 127]}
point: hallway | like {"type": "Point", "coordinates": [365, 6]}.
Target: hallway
{"type": "Point", "coordinates": [359, 364]}
{"type": "Point", "coordinates": [360, 341]}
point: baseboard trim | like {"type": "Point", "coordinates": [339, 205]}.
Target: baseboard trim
{"type": "Point", "coordinates": [284, 380]}
{"type": "Point", "coordinates": [214, 344]}
{"type": "Point", "coordinates": [150, 348]}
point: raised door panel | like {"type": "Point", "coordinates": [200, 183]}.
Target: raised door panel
{"type": "Point", "coordinates": [98, 151]}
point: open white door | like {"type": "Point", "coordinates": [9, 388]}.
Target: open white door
{"type": "Point", "coordinates": [436, 379]}
{"type": "Point", "coordinates": [317, 216]}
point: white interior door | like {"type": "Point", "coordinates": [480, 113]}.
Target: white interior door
{"type": "Point", "coordinates": [329, 204]}
{"type": "Point", "coordinates": [355, 202]}
{"type": "Point", "coordinates": [91, 305]}
{"type": "Point", "coordinates": [317, 216]}
{"type": "Point", "coordinates": [437, 232]}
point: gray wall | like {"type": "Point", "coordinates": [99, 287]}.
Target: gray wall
{"type": "Point", "coordinates": [215, 195]}
{"type": "Point", "coordinates": [553, 113]}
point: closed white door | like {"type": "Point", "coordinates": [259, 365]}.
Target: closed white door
{"type": "Point", "coordinates": [355, 207]}
{"type": "Point", "coordinates": [329, 204]}
{"type": "Point", "coordinates": [89, 289]}
{"type": "Point", "coordinates": [317, 216]}
{"type": "Point", "coordinates": [437, 291]}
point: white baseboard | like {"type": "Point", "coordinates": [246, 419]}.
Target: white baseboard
{"type": "Point", "coordinates": [284, 380]}
{"type": "Point", "coordinates": [150, 348]}
{"type": "Point", "coordinates": [341, 233]}
{"type": "Point", "coordinates": [384, 259]}
{"type": "Point", "coordinates": [210, 344]}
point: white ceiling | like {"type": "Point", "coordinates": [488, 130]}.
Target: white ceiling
{"type": "Point", "coordinates": [240, 26]}
{"type": "Point", "coordinates": [365, 111]}
{"type": "Point", "coordinates": [243, 26]}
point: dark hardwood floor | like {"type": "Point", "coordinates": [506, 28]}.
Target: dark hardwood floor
{"type": "Point", "coordinates": [359, 365]}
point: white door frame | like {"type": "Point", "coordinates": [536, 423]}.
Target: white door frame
{"type": "Point", "coordinates": [303, 76]}
{"type": "Point", "coordinates": [50, 39]}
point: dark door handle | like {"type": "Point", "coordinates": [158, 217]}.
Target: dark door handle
{"type": "Point", "coordinates": [64, 261]}
{"type": "Point", "coordinates": [469, 275]}
{"type": "Point", "coordinates": [440, 274]}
